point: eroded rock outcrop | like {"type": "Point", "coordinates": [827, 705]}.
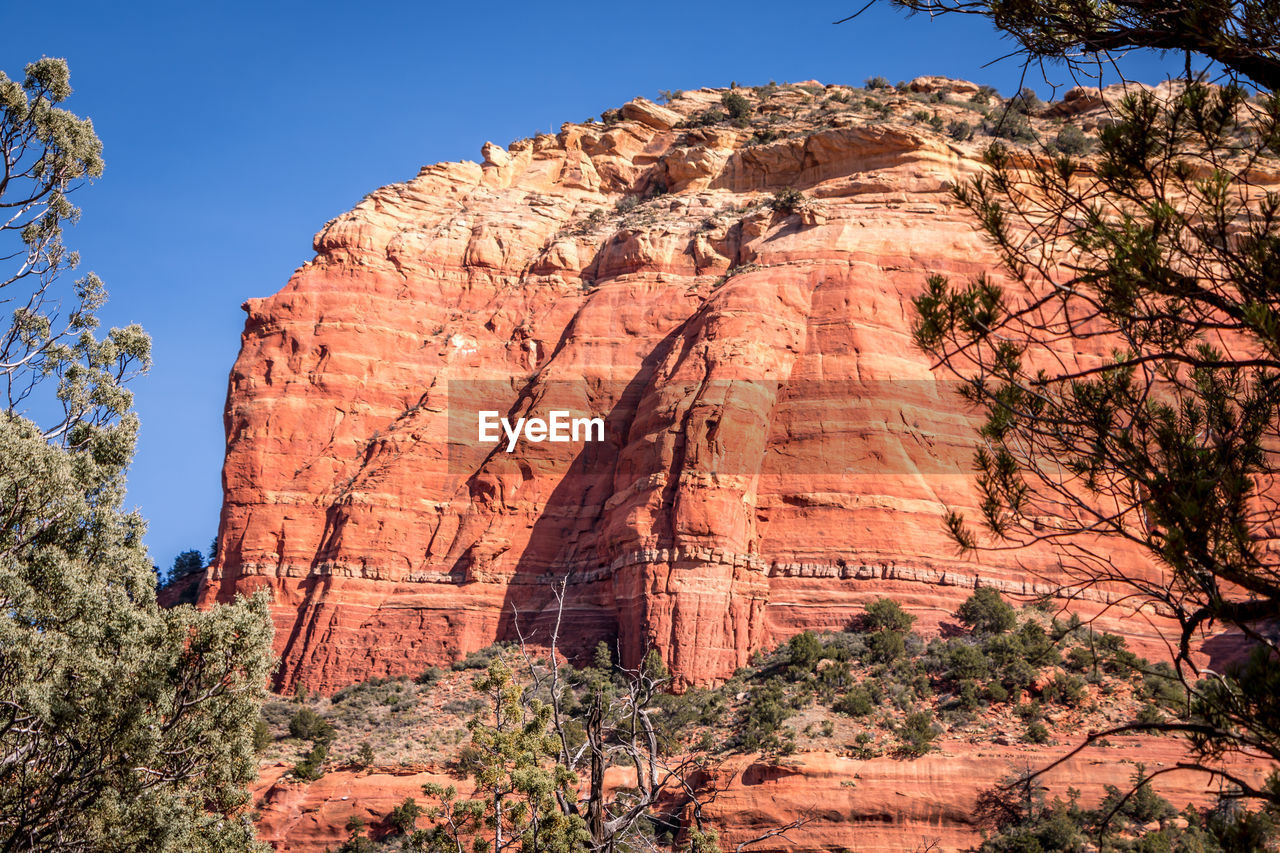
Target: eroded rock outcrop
{"type": "Point", "coordinates": [775, 454]}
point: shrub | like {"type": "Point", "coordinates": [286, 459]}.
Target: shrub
{"type": "Point", "coordinates": [738, 107]}
{"type": "Point", "coordinates": [1036, 732]}
{"type": "Point", "coordinates": [1163, 686]}
{"type": "Point", "coordinates": [1011, 125]}
{"type": "Point", "coordinates": [787, 201]}
{"type": "Point", "coordinates": [311, 767]}
{"type": "Point", "coordinates": [1081, 659]}
{"type": "Point", "coordinates": [983, 95]}
{"type": "Point", "coordinates": [986, 612]}
{"type": "Point", "coordinates": [804, 650]}
{"type": "Point", "coordinates": [877, 83]}
{"type": "Point", "coordinates": [404, 817]}
{"type": "Point", "coordinates": [935, 122]}
{"type": "Point", "coordinates": [262, 737]}
{"type": "Point", "coordinates": [1073, 141]}
{"type": "Point", "coordinates": [856, 703]}
{"type": "Point", "coordinates": [762, 717]}
{"type": "Point", "coordinates": [1003, 650]}
{"type": "Point", "coordinates": [433, 674]}
{"type": "Point", "coordinates": [920, 115]}
{"type": "Point", "coordinates": [886, 646]}
{"type": "Point", "coordinates": [885, 614]}
{"type": "Point", "coordinates": [481, 658]}
{"type": "Point", "coordinates": [828, 728]}
{"type": "Point", "coordinates": [1026, 102]}
{"type": "Point", "coordinates": [626, 204]}
{"type": "Point", "coordinates": [764, 136]}
{"type": "Point", "coordinates": [966, 662]}
{"type": "Point", "coordinates": [996, 692]}
{"type": "Point", "coordinates": [960, 131]}
{"type": "Point", "coordinates": [968, 696]}
{"type": "Point", "coordinates": [764, 93]}
{"type": "Point", "coordinates": [308, 725]}
{"type": "Point", "coordinates": [1037, 649]}
{"type": "Point", "coordinates": [1148, 714]}
{"type": "Point", "coordinates": [917, 734]}
{"type": "Point", "coordinates": [365, 754]}
{"type": "Point", "coordinates": [1065, 690]}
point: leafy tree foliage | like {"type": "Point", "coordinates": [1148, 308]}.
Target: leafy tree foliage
{"type": "Point", "coordinates": [1160, 262]}
{"type": "Point", "coordinates": [122, 726]}
{"type": "Point", "coordinates": [986, 612]}
{"type": "Point", "coordinates": [1018, 820]}
{"type": "Point", "coordinates": [516, 778]}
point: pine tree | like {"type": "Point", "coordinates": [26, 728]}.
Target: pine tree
{"type": "Point", "coordinates": [123, 727]}
{"type": "Point", "coordinates": [1158, 260]}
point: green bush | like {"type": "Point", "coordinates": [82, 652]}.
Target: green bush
{"type": "Point", "coordinates": [308, 725]}
{"type": "Point", "coordinates": [960, 131]}
{"type": "Point", "coordinates": [1026, 102]}
{"type": "Point", "coordinates": [311, 767]}
{"type": "Point", "coordinates": [481, 658]}
{"type": "Point", "coordinates": [983, 95]}
{"type": "Point", "coordinates": [885, 614]}
{"type": "Point", "coordinates": [788, 201]}
{"type": "Point", "coordinates": [856, 703]}
{"type": "Point", "coordinates": [738, 107]}
{"type": "Point", "coordinates": [365, 754]}
{"type": "Point", "coordinates": [1064, 689]}
{"type": "Point", "coordinates": [764, 136]}
{"type": "Point", "coordinates": [966, 662]}
{"type": "Point", "coordinates": [877, 83]}
{"type": "Point", "coordinates": [886, 646]}
{"type": "Point", "coordinates": [1036, 732]}
{"type": "Point", "coordinates": [1011, 125]}
{"type": "Point", "coordinates": [432, 674]}
{"type": "Point", "coordinates": [1148, 714]}
{"type": "Point", "coordinates": [968, 696]}
{"type": "Point", "coordinates": [706, 118]}
{"type": "Point", "coordinates": [404, 817]}
{"type": "Point", "coordinates": [1162, 685]}
{"type": "Point", "coordinates": [1073, 141]}
{"type": "Point", "coordinates": [1037, 649]}
{"type": "Point", "coordinates": [762, 717]}
{"type": "Point", "coordinates": [996, 692]}
{"type": "Point", "coordinates": [262, 737]}
{"type": "Point", "coordinates": [917, 734]}
{"type": "Point", "coordinates": [986, 612]}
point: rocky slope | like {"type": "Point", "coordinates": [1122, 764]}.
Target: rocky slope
{"type": "Point", "coordinates": [875, 806]}
{"type": "Point", "coordinates": [775, 452]}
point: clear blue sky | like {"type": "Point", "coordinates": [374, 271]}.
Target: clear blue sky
{"type": "Point", "coordinates": [234, 130]}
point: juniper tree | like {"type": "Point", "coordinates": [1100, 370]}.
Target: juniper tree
{"type": "Point", "coordinates": [123, 727]}
{"type": "Point", "coordinates": [1127, 355]}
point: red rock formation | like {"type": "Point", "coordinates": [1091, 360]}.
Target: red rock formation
{"type": "Point", "coordinates": [880, 805]}
{"type": "Point", "coordinates": [776, 453]}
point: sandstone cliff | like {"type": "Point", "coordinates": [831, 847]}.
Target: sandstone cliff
{"type": "Point", "coordinates": [776, 452]}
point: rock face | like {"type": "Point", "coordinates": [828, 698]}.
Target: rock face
{"type": "Point", "coordinates": [775, 452]}
{"type": "Point", "coordinates": [880, 805]}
